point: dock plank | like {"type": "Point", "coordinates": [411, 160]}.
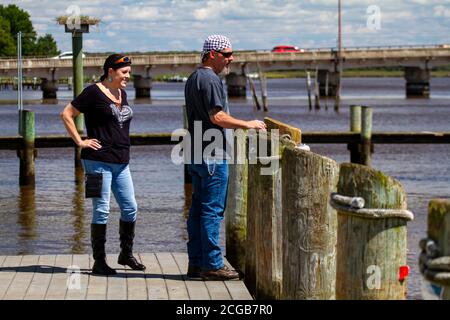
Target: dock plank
{"type": "Point", "coordinates": [176, 286]}
{"type": "Point", "coordinates": [117, 285]}
{"type": "Point", "coordinates": [97, 286]}
{"type": "Point", "coordinates": [41, 278]}
{"type": "Point", "coordinates": [197, 289]}
{"type": "Point", "coordinates": [136, 283]}
{"type": "Point", "coordinates": [66, 276]}
{"type": "Point", "coordinates": [156, 285]}
{"type": "Point", "coordinates": [61, 279]}
{"type": "Point", "coordinates": [22, 279]}
{"type": "Point", "coordinates": [8, 272]}
{"type": "Point", "coordinates": [78, 291]}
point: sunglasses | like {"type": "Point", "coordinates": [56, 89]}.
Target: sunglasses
{"type": "Point", "coordinates": [226, 54]}
{"type": "Point", "coordinates": [123, 60]}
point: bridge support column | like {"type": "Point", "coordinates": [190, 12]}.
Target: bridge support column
{"type": "Point", "coordinates": [49, 88]}
{"type": "Point", "coordinates": [236, 84]}
{"type": "Point", "coordinates": [142, 85]}
{"type": "Point", "coordinates": [328, 79]}
{"type": "Point", "coordinates": [417, 82]}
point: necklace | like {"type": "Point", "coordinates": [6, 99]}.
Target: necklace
{"type": "Point", "coordinates": [107, 92]}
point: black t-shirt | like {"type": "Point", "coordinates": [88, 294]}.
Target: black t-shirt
{"type": "Point", "coordinates": [106, 123]}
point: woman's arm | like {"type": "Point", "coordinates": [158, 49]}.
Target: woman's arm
{"type": "Point", "coordinates": [68, 115]}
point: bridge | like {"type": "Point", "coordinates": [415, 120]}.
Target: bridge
{"type": "Point", "coordinates": [417, 62]}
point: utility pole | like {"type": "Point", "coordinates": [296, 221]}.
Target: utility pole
{"type": "Point", "coordinates": [339, 59]}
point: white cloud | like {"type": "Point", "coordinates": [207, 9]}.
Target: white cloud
{"type": "Point", "coordinates": [251, 24]}
{"type": "Point", "coordinates": [441, 11]}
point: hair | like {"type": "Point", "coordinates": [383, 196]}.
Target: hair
{"type": "Point", "coordinates": [109, 63]}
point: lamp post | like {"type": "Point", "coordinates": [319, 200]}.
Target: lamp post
{"type": "Point", "coordinates": [339, 59]}
{"type": "Point", "coordinates": [77, 27]}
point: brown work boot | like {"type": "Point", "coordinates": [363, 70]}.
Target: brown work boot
{"type": "Point", "coordinates": [193, 271]}
{"type": "Point", "coordinates": [221, 274]}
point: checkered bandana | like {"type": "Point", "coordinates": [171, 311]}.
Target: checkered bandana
{"type": "Point", "coordinates": [215, 42]}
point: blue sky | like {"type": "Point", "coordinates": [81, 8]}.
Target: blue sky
{"type": "Point", "coordinates": [163, 25]}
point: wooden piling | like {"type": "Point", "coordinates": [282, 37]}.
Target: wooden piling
{"type": "Point", "coordinates": [256, 104]}
{"type": "Point", "coordinates": [236, 208]}
{"type": "Point", "coordinates": [309, 225]}
{"type": "Point", "coordinates": [26, 154]}
{"type": "Point", "coordinates": [263, 83]}
{"type": "Point", "coordinates": [370, 251]}
{"type": "Point", "coordinates": [366, 135]}
{"type": "Point", "coordinates": [264, 212]}
{"type": "Point", "coordinates": [355, 126]}
{"type": "Point", "coordinates": [308, 88]}
{"type": "Point", "coordinates": [316, 90]}
{"type": "Point", "coordinates": [439, 232]}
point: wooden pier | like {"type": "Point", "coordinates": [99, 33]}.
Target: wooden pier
{"type": "Point", "coordinates": [68, 277]}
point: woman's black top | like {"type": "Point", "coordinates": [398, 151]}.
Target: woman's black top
{"type": "Point", "coordinates": [107, 123]}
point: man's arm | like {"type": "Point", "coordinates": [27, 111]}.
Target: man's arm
{"type": "Point", "coordinates": [224, 120]}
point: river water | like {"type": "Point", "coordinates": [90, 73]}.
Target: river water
{"type": "Point", "coordinates": [54, 217]}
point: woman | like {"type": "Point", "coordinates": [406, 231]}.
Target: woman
{"type": "Point", "coordinates": [105, 156]}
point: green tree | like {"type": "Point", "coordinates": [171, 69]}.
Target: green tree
{"type": "Point", "coordinates": [19, 20]}
{"type": "Point", "coordinates": [7, 44]}
{"type": "Point", "coordinates": [45, 46]}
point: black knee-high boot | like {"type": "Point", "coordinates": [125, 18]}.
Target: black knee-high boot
{"type": "Point", "coordinates": [126, 231]}
{"type": "Point", "coordinates": [98, 240]}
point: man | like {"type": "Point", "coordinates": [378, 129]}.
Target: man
{"type": "Point", "coordinates": [207, 109]}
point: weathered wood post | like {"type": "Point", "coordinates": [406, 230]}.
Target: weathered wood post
{"type": "Point", "coordinates": [371, 243]}
{"type": "Point", "coordinates": [355, 126]}
{"type": "Point", "coordinates": [435, 264]}
{"type": "Point", "coordinates": [316, 90]}
{"type": "Point", "coordinates": [308, 89]}
{"type": "Point", "coordinates": [309, 225]}
{"type": "Point", "coordinates": [263, 83]}
{"type": "Point", "coordinates": [264, 208]}
{"type": "Point", "coordinates": [263, 267]}
{"type": "Point", "coordinates": [236, 208]}
{"type": "Point", "coordinates": [26, 154]}
{"type": "Point", "coordinates": [366, 135]}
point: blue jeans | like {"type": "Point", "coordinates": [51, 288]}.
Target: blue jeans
{"type": "Point", "coordinates": [209, 183]}
{"type": "Point", "coordinates": [116, 177]}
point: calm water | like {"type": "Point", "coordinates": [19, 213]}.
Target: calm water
{"type": "Point", "coordinates": [54, 217]}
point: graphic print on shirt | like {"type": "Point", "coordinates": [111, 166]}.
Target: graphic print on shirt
{"type": "Point", "coordinates": [121, 115]}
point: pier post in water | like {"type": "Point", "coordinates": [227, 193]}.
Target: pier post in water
{"type": "Point", "coordinates": [142, 85]}
{"type": "Point", "coordinates": [27, 152]}
{"type": "Point", "coordinates": [417, 82]}
{"type": "Point", "coordinates": [372, 244]}
{"type": "Point", "coordinates": [366, 136]}
{"type": "Point", "coordinates": [355, 126]}
{"type": "Point", "coordinates": [236, 85]}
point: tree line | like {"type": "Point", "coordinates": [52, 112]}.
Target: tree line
{"type": "Point", "coordinates": [12, 20]}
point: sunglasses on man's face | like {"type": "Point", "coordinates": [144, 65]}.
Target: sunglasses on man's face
{"type": "Point", "coordinates": [123, 60]}
{"type": "Point", "coordinates": [226, 54]}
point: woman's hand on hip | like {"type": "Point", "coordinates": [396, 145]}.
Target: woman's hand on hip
{"type": "Point", "coordinates": [90, 143]}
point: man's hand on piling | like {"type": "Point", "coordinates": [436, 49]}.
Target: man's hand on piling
{"type": "Point", "coordinates": [256, 124]}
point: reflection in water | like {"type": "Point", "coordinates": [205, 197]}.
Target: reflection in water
{"type": "Point", "coordinates": [26, 218]}
{"type": "Point", "coordinates": [49, 101]}
{"type": "Point", "coordinates": [78, 211]}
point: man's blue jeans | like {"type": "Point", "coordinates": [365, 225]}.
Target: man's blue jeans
{"type": "Point", "coordinates": [116, 177]}
{"type": "Point", "coordinates": [209, 183]}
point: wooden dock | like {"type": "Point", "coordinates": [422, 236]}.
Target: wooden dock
{"type": "Point", "coordinates": [68, 277]}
